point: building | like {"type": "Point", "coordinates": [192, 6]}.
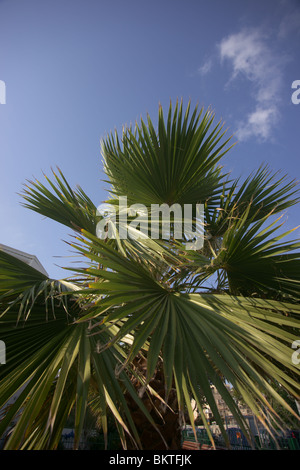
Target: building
{"type": "Point", "coordinates": [226, 414]}
{"type": "Point", "coordinates": [31, 260]}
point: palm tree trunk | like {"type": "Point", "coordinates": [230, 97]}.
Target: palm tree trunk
{"type": "Point", "coordinates": [166, 418]}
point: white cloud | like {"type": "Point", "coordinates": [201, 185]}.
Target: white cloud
{"type": "Point", "coordinates": [259, 123]}
{"type": "Point", "coordinates": [205, 68]}
{"type": "Point", "coordinates": [252, 59]}
{"type": "Point", "coordinates": [246, 51]}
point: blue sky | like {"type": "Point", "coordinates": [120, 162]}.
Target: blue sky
{"type": "Point", "coordinates": [75, 70]}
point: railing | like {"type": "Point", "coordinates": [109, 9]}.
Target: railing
{"type": "Point", "coordinates": [238, 441]}
{"type": "Point", "coordinates": [97, 443]}
{"type": "Point", "coordinates": [261, 442]}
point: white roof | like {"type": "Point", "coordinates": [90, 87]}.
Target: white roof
{"type": "Point", "coordinates": [25, 257]}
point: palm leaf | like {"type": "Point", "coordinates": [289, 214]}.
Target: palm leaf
{"type": "Point", "coordinates": [72, 208]}
{"type": "Point", "coordinates": [232, 336]}
{"type": "Point", "coordinates": [176, 164]}
{"type": "Point", "coordinates": [142, 296]}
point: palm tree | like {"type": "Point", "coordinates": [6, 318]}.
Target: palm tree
{"type": "Point", "coordinates": [148, 324]}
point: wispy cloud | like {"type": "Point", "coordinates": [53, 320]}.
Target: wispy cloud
{"type": "Point", "coordinates": [290, 24]}
{"type": "Point", "coordinates": [259, 123]}
{"type": "Point", "coordinates": [252, 58]}
{"type": "Point", "coordinates": [205, 67]}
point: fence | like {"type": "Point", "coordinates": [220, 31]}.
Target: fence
{"type": "Point", "coordinates": [239, 442]}
{"type": "Point", "coordinates": [236, 438]}
{"type": "Point", "coordinates": [91, 442]}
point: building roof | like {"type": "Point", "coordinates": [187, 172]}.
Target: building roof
{"type": "Point", "coordinates": [31, 260]}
